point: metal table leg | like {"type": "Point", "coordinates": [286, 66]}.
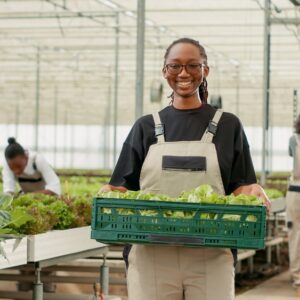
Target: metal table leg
{"type": "Point", "coordinates": [238, 267]}
{"type": "Point", "coordinates": [250, 264]}
{"type": "Point", "coordinates": [104, 277]}
{"type": "Point", "coordinates": [37, 285]}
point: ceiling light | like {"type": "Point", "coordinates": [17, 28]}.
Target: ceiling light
{"type": "Point", "coordinates": [108, 3]}
{"type": "Point", "coordinates": [129, 13]}
{"type": "Point", "coordinates": [149, 22]}
{"type": "Point", "coordinates": [234, 62]}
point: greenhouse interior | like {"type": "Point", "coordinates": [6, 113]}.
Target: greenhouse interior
{"type": "Point", "coordinates": [150, 149]}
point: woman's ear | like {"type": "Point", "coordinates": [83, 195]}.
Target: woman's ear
{"type": "Point", "coordinates": [205, 71]}
{"type": "Point", "coordinates": [164, 72]}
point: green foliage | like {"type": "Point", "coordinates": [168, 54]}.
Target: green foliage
{"type": "Point", "coordinates": [83, 211]}
{"type": "Point", "coordinates": [10, 219]}
{"type": "Point", "coordinates": [46, 213]}
{"type": "Point", "coordinates": [63, 214]}
{"type": "Point", "coordinates": [82, 185]}
{"type": "Point", "coordinates": [37, 213]}
{"type": "Point", "coordinates": [203, 194]}
{"type": "Point", "coordinates": [274, 193]}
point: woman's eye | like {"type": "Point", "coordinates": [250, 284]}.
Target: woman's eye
{"type": "Point", "coordinates": [193, 66]}
{"type": "Point", "coordinates": [175, 66]}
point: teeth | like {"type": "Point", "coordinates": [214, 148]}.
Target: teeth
{"type": "Point", "coordinates": [184, 83]}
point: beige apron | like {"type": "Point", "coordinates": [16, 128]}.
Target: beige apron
{"type": "Point", "coordinates": [293, 217]}
{"type": "Point", "coordinates": [32, 183]}
{"type": "Point", "coordinates": [177, 273]}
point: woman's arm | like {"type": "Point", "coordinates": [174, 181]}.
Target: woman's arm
{"type": "Point", "coordinates": [9, 181]}
{"type": "Point", "coordinates": [52, 181]}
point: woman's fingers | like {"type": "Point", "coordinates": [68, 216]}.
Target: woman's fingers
{"type": "Point", "coordinates": [109, 187]}
{"type": "Point", "coordinates": [256, 190]}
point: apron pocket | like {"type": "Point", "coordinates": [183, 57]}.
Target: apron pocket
{"type": "Point", "coordinates": [184, 163]}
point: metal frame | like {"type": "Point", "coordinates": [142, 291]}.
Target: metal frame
{"type": "Point", "coordinates": [61, 31]}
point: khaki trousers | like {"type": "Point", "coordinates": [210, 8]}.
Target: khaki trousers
{"type": "Point", "coordinates": [180, 273]}
{"type": "Point", "coordinates": [293, 216]}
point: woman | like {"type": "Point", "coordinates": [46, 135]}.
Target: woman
{"type": "Point", "coordinates": [30, 170]}
{"type": "Point", "coordinates": [293, 207]}
{"type": "Point", "coordinates": [34, 175]}
{"type": "Point", "coordinates": [186, 144]}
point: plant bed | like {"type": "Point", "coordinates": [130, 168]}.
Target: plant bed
{"type": "Point", "coordinates": [60, 242]}
{"type": "Point", "coordinates": [14, 252]}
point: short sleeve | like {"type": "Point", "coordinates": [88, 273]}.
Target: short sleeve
{"type": "Point", "coordinates": [242, 172]}
{"type": "Point", "coordinates": [135, 148]}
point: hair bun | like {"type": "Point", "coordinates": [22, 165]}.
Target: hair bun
{"type": "Point", "coordinates": [12, 140]}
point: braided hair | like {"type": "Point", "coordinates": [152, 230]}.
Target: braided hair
{"type": "Point", "coordinates": [13, 149]}
{"type": "Point", "coordinates": [297, 125]}
{"type": "Point", "coordinates": [203, 91]}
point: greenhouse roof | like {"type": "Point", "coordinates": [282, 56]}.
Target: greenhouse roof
{"type": "Point", "coordinates": [61, 54]}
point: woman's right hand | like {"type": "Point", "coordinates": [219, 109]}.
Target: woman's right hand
{"type": "Point", "coordinates": [109, 188]}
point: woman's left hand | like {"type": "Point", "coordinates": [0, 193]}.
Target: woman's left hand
{"type": "Point", "coordinates": [254, 189]}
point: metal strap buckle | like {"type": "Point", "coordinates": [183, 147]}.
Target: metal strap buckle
{"type": "Point", "coordinates": [159, 129]}
{"type": "Point", "coordinates": [212, 127]}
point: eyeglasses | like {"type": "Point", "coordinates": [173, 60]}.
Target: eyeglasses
{"type": "Point", "coordinates": [175, 69]}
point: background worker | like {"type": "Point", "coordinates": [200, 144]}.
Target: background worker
{"type": "Point", "coordinates": [293, 207]}
{"type": "Point", "coordinates": [186, 144]}
{"type": "Point", "coordinates": [34, 175]}
{"type": "Point", "coordinates": [30, 170]}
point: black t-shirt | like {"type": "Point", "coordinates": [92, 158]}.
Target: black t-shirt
{"type": "Point", "coordinates": [188, 125]}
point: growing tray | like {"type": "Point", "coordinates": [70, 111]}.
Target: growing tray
{"type": "Point", "coordinates": [57, 243]}
{"type": "Point", "coordinates": [278, 205]}
{"type": "Point", "coordinates": [15, 252]}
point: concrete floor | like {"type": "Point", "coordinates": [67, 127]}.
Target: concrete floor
{"type": "Point", "coordinates": [277, 288]}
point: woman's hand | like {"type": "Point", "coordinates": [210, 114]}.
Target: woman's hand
{"type": "Point", "coordinates": [109, 187]}
{"type": "Point", "coordinates": [256, 190]}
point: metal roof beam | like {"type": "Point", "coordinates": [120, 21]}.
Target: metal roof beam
{"type": "Point", "coordinates": [286, 21]}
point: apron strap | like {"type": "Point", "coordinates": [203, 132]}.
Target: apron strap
{"type": "Point", "coordinates": [159, 128]}
{"type": "Point", "coordinates": [212, 128]}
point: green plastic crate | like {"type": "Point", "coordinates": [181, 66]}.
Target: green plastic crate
{"type": "Point", "coordinates": [120, 221]}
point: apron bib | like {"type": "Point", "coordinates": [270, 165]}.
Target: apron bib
{"type": "Point", "coordinates": [173, 167]}
{"type": "Point", "coordinates": [32, 183]}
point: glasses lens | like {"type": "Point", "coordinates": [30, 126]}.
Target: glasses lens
{"type": "Point", "coordinates": [193, 68]}
{"type": "Point", "coordinates": [174, 68]}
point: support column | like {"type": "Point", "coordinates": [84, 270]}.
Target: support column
{"type": "Point", "coordinates": [37, 99]}
{"type": "Point", "coordinates": [140, 45]}
{"type": "Point", "coordinates": [266, 91]}
{"type": "Point", "coordinates": [116, 87]}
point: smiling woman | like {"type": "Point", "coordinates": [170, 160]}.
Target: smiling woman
{"type": "Point", "coordinates": [186, 144]}
{"type": "Point", "coordinates": [186, 70]}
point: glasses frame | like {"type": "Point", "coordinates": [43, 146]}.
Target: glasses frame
{"type": "Point", "coordinates": [167, 67]}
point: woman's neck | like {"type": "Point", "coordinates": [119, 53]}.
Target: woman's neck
{"type": "Point", "coordinates": [182, 103]}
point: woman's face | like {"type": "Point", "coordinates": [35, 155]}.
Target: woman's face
{"type": "Point", "coordinates": [186, 83]}
{"type": "Point", "coordinates": [18, 164]}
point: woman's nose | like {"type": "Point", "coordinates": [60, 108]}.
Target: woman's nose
{"type": "Point", "coordinates": [184, 72]}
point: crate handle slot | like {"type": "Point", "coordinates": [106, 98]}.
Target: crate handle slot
{"type": "Point", "coordinates": [175, 240]}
